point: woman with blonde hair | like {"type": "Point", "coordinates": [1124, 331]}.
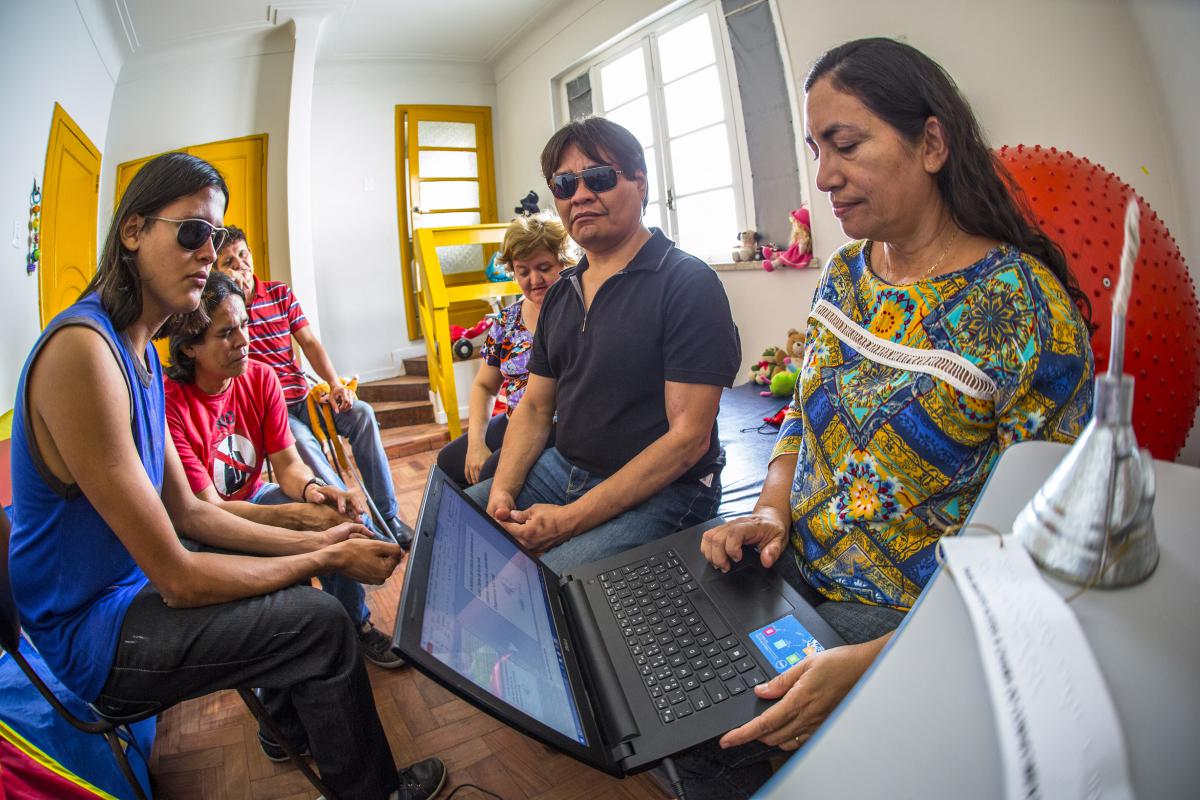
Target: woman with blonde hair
{"type": "Point", "coordinates": [535, 249]}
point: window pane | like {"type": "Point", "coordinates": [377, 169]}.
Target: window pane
{"type": "Point", "coordinates": [432, 133]}
{"type": "Point", "coordinates": [708, 225]}
{"type": "Point", "coordinates": [651, 174]}
{"type": "Point", "coordinates": [686, 48]}
{"type": "Point", "coordinates": [461, 258]}
{"type": "Point", "coordinates": [653, 216]}
{"type": "Point", "coordinates": [448, 164]}
{"type": "Point", "coordinates": [693, 102]}
{"type": "Point", "coordinates": [446, 220]}
{"type": "Point", "coordinates": [700, 161]}
{"type": "Point", "coordinates": [449, 194]}
{"type": "Point", "coordinates": [623, 79]}
{"type": "Point", "coordinates": [635, 117]}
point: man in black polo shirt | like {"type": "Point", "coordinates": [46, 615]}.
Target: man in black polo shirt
{"type": "Point", "coordinates": [632, 348]}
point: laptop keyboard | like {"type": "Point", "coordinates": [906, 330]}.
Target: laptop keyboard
{"type": "Point", "coordinates": [688, 658]}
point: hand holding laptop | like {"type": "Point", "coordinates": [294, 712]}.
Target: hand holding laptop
{"type": "Point", "coordinates": [763, 529]}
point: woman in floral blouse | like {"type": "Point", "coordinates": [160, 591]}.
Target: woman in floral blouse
{"type": "Point", "coordinates": [535, 249]}
{"type": "Point", "coordinates": [948, 329]}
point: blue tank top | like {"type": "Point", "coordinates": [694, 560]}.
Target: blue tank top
{"type": "Point", "coordinates": [72, 578]}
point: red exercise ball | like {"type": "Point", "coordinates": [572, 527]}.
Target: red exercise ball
{"type": "Point", "coordinates": [1081, 206]}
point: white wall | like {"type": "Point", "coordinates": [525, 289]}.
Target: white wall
{"type": "Point", "coordinates": [1076, 74]}
{"type": "Point", "coordinates": [356, 242]}
{"type": "Point", "coordinates": [206, 93]}
{"type": "Point", "coordinates": [48, 54]}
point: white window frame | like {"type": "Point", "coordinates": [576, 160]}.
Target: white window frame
{"type": "Point", "coordinates": [645, 38]}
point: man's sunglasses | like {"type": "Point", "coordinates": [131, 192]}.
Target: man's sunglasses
{"type": "Point", "coordinates": [193, 233]}
{"type": "Point", "coordinates": [596, 179]}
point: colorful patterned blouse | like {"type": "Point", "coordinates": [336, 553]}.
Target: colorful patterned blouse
{"type": "Point", "coordinates": [906, 397]}
{"type": "Point", "coordinates": [507, 346]}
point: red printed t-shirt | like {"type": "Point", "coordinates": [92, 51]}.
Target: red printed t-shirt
{"type": "Point", "coordinates": [223, 438]}
{"type": "Point", "coordinates": [275, 315]}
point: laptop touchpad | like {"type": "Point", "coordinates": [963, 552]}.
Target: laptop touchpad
{"type": "Point", "coordinates": [747, 597]}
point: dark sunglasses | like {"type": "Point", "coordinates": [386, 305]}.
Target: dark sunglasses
{"type": "Point", "coordinates": [596, 179]}
{"type": "Point", "coordinates": [193, 233]}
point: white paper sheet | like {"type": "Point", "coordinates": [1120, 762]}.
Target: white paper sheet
{"type": "Point", "coordinates": [1059, 733]}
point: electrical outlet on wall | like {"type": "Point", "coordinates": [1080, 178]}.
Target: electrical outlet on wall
{"type": "Point", "coordinates": [368, 184]}
{"type": "Point", "coordinates": [16, 240]}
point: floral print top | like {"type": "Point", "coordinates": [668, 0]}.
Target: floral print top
{"type": "Point", "coordinates": [507, 346]}
{"type": "Point", "coordinates": [906, 397]}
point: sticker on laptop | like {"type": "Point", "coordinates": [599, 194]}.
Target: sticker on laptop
{"type": "Point", "coordinates": [785, 643]}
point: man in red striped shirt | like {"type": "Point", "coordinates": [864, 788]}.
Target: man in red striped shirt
{"type": "Point", "coordinates": [275, 320]}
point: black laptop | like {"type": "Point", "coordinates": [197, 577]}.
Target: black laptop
{"type": "Point", "coordinates": [619, 663]}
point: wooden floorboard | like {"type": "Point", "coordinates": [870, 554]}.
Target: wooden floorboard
{"type": "Point", "coordinates": [206, 749]}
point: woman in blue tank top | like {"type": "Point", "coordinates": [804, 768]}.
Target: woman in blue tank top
{"type": "Point", "coordinates": [124, 615]}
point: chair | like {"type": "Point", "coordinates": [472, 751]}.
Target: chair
{"type": "Point", "coordinates": [434, 298]}
{"type": "Point", "coordinates": [113, 729]}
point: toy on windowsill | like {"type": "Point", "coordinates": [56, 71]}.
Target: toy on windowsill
{"type": "Point", "coordinates": [799, 252]}
{"type": "Point", "coordinates": [749, 250]}
{"type": "Point", "coordinates": [465, 340]}
{"type": "Point", "coordinates": [529, 205]}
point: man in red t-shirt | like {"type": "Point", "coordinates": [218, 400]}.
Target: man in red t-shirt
{"type": "Point", "coordinates": [275, 320]}
{"type": "Point", "coordinates": [227, 415]}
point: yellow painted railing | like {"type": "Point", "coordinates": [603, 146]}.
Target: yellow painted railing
{"type": "Point", "coordinates": [434, 298]}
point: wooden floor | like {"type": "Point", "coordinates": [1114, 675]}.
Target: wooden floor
{"type": "Point", "coordinates": [207, 748]}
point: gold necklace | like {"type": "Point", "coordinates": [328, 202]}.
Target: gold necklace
{"type": "Point", "coordinates": [932, 269]}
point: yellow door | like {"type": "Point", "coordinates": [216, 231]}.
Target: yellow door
{"type": "Point", "coordinates": [444, 176]}
{"type": "Point", "coordinates": [70, 201]}
{"type": "Point", "coordinates": [243, 164]}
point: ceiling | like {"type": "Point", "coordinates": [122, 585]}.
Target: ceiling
{"type": "Point", "coordinates": [455, 30]}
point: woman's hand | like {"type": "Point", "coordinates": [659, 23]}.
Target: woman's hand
{"type": "Point", "coordinates": [765, 528]}
{"type": "Point", "coordinates": [807, 693]}
{"type": "Point", "coordinates": [477, 454]}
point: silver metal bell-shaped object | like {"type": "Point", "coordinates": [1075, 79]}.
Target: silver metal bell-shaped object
{"type": "Point", "coordinates": [1092, 522]}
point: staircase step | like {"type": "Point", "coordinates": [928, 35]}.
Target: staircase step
{"type": "Point", "coordinates": [394, 414]}
{"type": "Point", "coordinates": [406, 441]}
{"type": "Point", "coordinates": [404, 387]}
{"type": "Point", "coordinates": [418, 365]}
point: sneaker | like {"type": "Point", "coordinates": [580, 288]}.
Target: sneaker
{"type": "Point", "coordinates": [421, 781]}
{"type": "Point", "coordinates": [377, 647]}
{"type": "Point", "coordinates": [274, 752]}
{"type": "Point", "coordinates": [404, 534]}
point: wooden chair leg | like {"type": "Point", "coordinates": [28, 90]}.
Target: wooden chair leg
{"type": "Point", "coordinates": [259, 711]}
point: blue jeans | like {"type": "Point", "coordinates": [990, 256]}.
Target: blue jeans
{"type": "Point", "coordinates": [555, 480]}
{"type": "Point", "coordinates": [349, 592]}
{"type": "Point", "coordinates": [359, 426]}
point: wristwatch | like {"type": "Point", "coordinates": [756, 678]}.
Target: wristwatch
{"type": "Point", "coordinates": [313, 481]}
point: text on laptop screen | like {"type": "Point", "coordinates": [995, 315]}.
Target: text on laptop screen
{"type": "Point", "coordinates": [487, 617]}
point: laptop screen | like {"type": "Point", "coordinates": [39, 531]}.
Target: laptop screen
{"type": "Point", "coordinates": [487, 617]}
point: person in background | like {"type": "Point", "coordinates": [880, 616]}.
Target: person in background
{"type": "Point", "coordinates": [535, 249]}
{"type": "Point", "coordinates": [125, 616]}
{"type": "Point", "coordinates": [275, 320]}
{"type": "Point", "coordinates": [227, 416]}
{"type": "Point", "coordinates": [949, 329]}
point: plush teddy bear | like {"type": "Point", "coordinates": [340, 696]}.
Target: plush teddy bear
{"type": "Point", "coordinates": [795, 346]}
{"type": "Point", "coordinates": [799, 252]}
{"type": "Point", "coordinates": [749, 248]}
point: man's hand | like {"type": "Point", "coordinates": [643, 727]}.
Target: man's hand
{"type": "Point", "coordinates": [500, 504]}
{"type": "Point", "coordinates": [539, 527]}
{"type": "Point", "coordinates": [349, 503]}
{"type": "Point", "coordinates": [342, 532]}
{"type": "Point", "coordinates": [341, 398]}
{"type": "Point", "coordinates": [809, 691]}
{"type": "Point", "coordinates": [367, 560]}
{"type": "Point", "coordinates": [477, 454]}
{"type": "Point", "coordinates": [724, 543]}
{"type": "Point", "coordinates": [314, 517]}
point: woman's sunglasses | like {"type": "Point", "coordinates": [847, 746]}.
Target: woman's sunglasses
{"type": "Point", "coordinates": [193, 233]}
{"type": "Point", "coordinates": [596, 179]}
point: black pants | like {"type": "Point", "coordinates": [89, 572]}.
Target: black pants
{"type": "Point", "coordinates": [296, 644]}
{"type": "Point", "coordinates": [453, 457]}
